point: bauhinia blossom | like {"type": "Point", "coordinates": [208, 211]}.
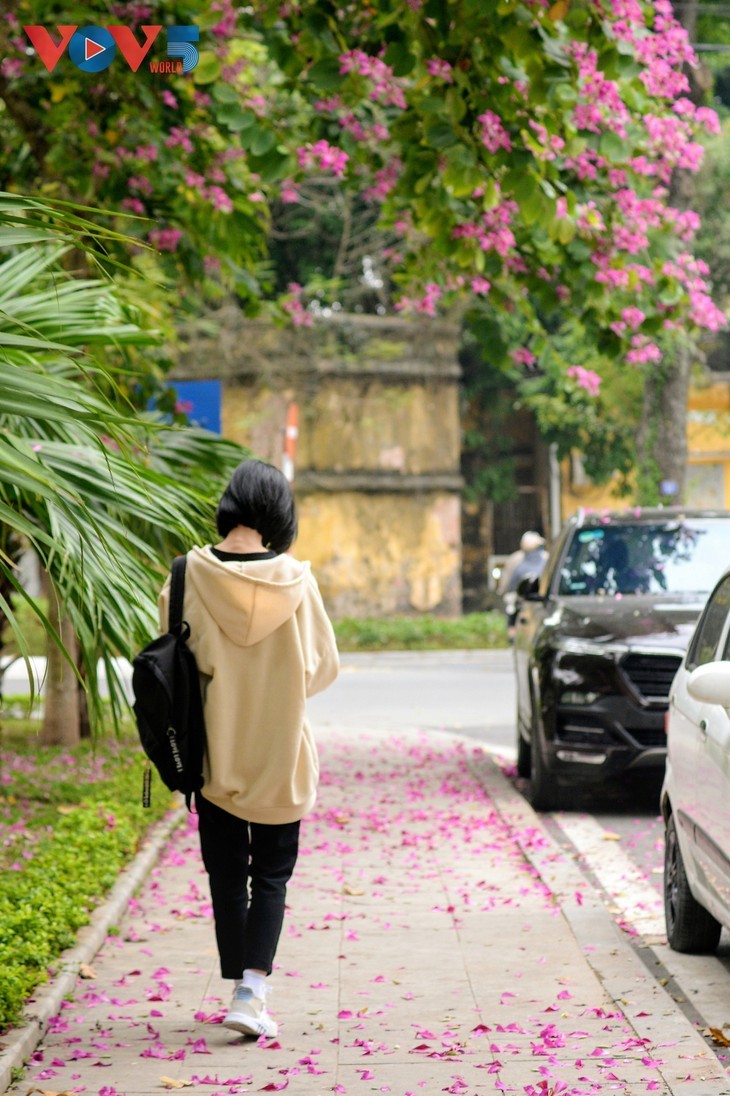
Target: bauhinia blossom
{"type": "Point", "coordinates": [324, 156]}
{"type": "Point", "coordinates": [585, 378]}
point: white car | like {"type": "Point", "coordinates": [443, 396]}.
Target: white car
{"type": "Point", "coordinates": [695, 796]}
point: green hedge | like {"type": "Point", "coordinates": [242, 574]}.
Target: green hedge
{"type": "Point", "coordinates": [422, 633]}
{"type": "Point", "coordinates": [69, 822]}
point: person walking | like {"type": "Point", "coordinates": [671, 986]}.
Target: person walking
{"type": "Point", "coordinates": [263, 644]}
{"type": "Point", "coordinates": [529, 559]}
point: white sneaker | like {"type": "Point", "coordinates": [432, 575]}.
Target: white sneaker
{"type": "Point", "coordinates": [249, 1015]}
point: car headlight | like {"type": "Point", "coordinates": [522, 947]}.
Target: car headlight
{"type": "Point", "coordinates": [574, 696]}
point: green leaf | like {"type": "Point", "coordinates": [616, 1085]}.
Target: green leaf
{"type": "Point", "coordinates": [224, 93]}
{"type": "Point", "coordinates": [612, 147]}
{"type": "Point", "coordinates": [565, 230]}
{"type": "Point", "coordinates": [455, 104]}
{"type": "Point", "coordinates": [207, 19]}
{"type": "Point", "coordinates": [565, 94]}
{"type": "Point", "coordinates": [431, 104]}
{"type": "Point", "coordinates": [208, 68]}
{"type": "Point", "coordinates": [441, 135]}
{"type": "Point", "coordinates": [579, 250]}
{"type": "Point", "coordinates": [235, 118]}
{"type": "Point", "coordinates": [462, 181]}
{"type": "Point", "coordinates": [257, 138]}
{"type": "Point", "coordinates": [400, 58]}
{"type": "Point", "coordinates": [423, 182]}
{"type": "Point", "coordinates": [273, 165]}
{"type": "Point", "coordinates": [325, 74]}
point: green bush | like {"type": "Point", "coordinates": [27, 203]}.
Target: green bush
{"type": "Point", "coordinates": [70, 819]}
{"type": "Point", "coordinates": [421, 633]}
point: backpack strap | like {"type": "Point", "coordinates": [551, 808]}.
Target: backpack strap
{"type": "Point", "coordinates": [177, 592]}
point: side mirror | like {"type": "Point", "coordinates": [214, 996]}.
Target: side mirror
{"type": "Point", "coordinates": [710, 683]}
{"type": "Point", "coordinates": [528, 588]}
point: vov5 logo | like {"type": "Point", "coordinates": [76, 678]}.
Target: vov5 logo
{"type": "Point", "coordinates": [92, 49]}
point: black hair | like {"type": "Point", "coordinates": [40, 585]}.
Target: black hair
{"type": "Point", "coordinates": [259, 497]}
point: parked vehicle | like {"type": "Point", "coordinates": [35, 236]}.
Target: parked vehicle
{"type": "Point", "coordinates": [599, 639]}
{"type": "Point", "coordinates": [696, 789]}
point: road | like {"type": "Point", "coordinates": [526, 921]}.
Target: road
{"type": "Point", "coordinates": [616, 837]}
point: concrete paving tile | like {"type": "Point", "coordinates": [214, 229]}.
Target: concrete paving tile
{"type": "Point", "coordinates": [407, 1079]}
{"type": "Point", "coordinates": [389, 990]}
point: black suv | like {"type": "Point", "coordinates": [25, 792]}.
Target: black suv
{"type": "Point", "coordinates": [599, 638]}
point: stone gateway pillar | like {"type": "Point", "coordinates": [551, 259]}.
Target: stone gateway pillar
{"type": "Point", "coordinates": [377, 464]}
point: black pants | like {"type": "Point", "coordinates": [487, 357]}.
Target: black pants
{"type": "Point", "coordinates": [247, 928]}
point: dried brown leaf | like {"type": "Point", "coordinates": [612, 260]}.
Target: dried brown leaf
{"type": "Point", "coordinates": [718, 1036]}
{"type": "Point", "coordinates": [559, 10]}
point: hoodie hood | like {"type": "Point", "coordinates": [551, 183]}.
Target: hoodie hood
{"type": "Point", "coordinates": [248, 599]}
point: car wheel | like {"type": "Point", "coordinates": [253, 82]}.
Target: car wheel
{"type": "Point", "coordinates": [524, 752]}
{"type": "Point", "coordinates": [543, 795]}
{"type": "Point", "coordinates": [690, 927]}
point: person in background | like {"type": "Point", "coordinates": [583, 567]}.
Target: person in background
{"type": "Point", "coordinates": [263, 644]}
{"type": "Point", "coordinates": [529, 560]}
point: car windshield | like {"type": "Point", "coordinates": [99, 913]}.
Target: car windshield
{"type": "Point", "coordinates": [672, 557]}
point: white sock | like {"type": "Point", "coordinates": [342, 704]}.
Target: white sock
{"type": "Point", "coordinates": [256, 982]}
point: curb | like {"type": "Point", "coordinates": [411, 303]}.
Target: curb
{"type": "Point", "coordinates": [647, 1007]}
{"type": "Point", "coordinates": [20, 1042]}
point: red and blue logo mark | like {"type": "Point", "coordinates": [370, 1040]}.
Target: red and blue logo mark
{"type": "Point", "coordinates": [92, 49]}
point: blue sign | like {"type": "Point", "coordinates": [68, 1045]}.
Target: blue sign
{"type": "Point", "coordinates": [201, 402]}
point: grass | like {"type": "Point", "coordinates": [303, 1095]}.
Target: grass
{"type": "Point", "coordinates": [395, 633]}
{"type": "Point", "coordinates": [70, 819]}
{"type": "Point", "coordinates": [422, 633]}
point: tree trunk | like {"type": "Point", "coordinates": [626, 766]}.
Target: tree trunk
{"type": "Point", "coordinates": [662, 437]}
{"type": "Point", "coordinates": [61, 723]}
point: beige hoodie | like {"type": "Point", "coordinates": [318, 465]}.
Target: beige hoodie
{"type": "Point", "coordinates": [263, 643]}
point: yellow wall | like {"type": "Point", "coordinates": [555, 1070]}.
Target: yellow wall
{"type": "Point", "coordinates": [708, 471]}
{"type": "Point", "coordinates": [377, 477]}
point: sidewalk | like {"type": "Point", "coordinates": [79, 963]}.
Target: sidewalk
{"type": "Point", "coordinates": [437, 941]}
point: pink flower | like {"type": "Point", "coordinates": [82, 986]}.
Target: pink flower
{"type": "Point", "coordinates": [385, 180]}
{"type": "Point", "coordinates": [634, 317]}
{"type": "Point", "coordinates": [586, 378]}
{"type": "Point", "coordinates": [165, 239]}
{"type": "Point", "coordinates": [708, 118]}
{"type": "Point", "coordinates": [440, 68]}
{"type": "Point", "coordinates": [294, 306]}
{"type": "Point", "coordinates": [494, 135]}
{"type": "Point", "coordinates": [134, 204]}
{"type": "Point", "coordinates": [523, 356]}
{"type": "Point", "coordinates": [140, 183]}
{"type": "Point", "coordinates": [289, 193]}
{"type": "Point", "coordinates": [221, 201]}
{"type": "Point", "coordinates": [481, 286]}
{"type": "Point", "coordinates": [386, 88]}
{"type": "Point", "coordinates": [324, 156]}
{"type": "Point", "coordinates": [11, 67]}
{"type": "Point", "coordinates": [426, 305]}
{"type": "Point", "coordinates": [179, 137]}
{"type": "Point", "coordinates": [643, 351]}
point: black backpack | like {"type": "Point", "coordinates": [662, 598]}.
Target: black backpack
{"type": "Point", "coordinates": [168, 705]}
